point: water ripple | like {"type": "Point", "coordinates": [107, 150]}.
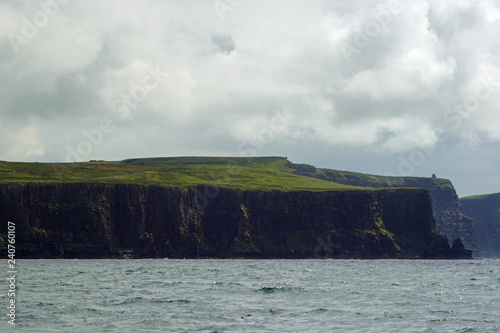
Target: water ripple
{"type": "Point", "coordinates": [257, 296]}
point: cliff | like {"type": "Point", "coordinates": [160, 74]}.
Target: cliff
{"type": "Point", "coordinates": [485, 210]}
{"type": "Point", "coordinates": [95, 220]}
{"type": "Point", "coordinates": [449, 220]}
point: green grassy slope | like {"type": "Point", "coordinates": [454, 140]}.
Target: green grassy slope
{"type": "Point", "coordinates": [274, 163]}
{"type": "Point", "coordinates": [230, 172]}
{"type": "Point", "coordinates": [267, 173]}
{"type": "Point", "coordinates": [282, 164]}
{"type": "Point", "coordinates": [464, 200]}
{"type": "Point", "coordinates": [381, 181]}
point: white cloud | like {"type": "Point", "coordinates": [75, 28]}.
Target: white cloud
{"type": "Point", "coordinates": [228, 77]}
{"type": "Point", "coordinates": [22, 144]}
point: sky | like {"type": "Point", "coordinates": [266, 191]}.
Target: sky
{"type": "Point", "coordinates": [403, 88]}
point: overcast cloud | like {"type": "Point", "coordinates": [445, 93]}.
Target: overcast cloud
{"type": "Point", "coordinates": [384, 87]}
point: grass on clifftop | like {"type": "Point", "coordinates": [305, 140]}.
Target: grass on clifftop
{"type": "Point", "coordinates": [270, 173]}
{"type": "Point", "coordinates": [386, 181]}
{"type": "Point", "coordinates": [479, 196]}
{"type": "Point", "coordinates": [274, 163]}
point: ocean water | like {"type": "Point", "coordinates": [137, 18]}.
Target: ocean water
{"type": "Point", "coordinates": [255, 296]}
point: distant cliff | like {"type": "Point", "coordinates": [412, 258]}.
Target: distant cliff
{"type": "Point", "coordinates": [83, 220]}
{"type": "Point", "coordinates": [485, 210]}
{"type": "Point", "coordinates": [449, 220]}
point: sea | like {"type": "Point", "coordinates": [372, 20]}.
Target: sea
{"type": "Point", "coordinates": [246, 295]}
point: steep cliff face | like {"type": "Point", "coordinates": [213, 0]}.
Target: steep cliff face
{"type": "Point", "coordinates": [485, 210]}
{"type": "Point", "coordinates": [449, 220]}
{"type": "Point", "coordinates": [120, 220]}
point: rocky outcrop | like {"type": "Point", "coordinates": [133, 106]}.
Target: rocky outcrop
{"type": "Point", "coordinates": [125, 220]}
{"type": "Point", "coordinates": [485, 210]}
{"type": "Point", "coordinates": [458, 250]}
{"type": "Point", "coordinates": [449, 220]}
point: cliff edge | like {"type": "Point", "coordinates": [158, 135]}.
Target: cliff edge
{"type": "Point", "coordinates": [449, 220]}
{"type": "Point", "coordinates": [83, 220]}
{"type": "Point", "coordinates": [210, 207]}
{"type": "Point", "coordinates": [485, 210]}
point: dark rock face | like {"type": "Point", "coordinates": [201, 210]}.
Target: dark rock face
{"type": "Point", "coordinates": [485, 210]}
{"type": "Point", "coordinates": [449, 220]}
{"type": "Point", "coordinates": [104, 220]}
{"type": "Point", "coordinates": [458, 250]}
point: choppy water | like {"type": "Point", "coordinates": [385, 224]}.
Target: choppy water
{"type": "Point", "coordinates": [255, 296]}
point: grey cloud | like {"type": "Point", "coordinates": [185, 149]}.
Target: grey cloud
{"type": "Point", "coordinates": [228, 77]}
{"type": "Point", "coordinates": [224, 43]}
